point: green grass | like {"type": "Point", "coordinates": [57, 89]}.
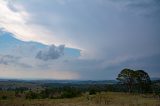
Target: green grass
{"type": "Point", "coordinates": [101, 99]}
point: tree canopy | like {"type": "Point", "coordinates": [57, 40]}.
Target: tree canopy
{"type": "Point", "coordinates": [135, 78]}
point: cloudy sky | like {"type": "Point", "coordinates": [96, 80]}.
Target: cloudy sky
{"type": "Point", "coordinates": [78, 39]}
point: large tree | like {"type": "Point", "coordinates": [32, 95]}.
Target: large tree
{"type": "Point", "coordinates": [143, 80]}
{"type": "Point", "coordinates": [130, 78]}
{"type": "Point", "coordinates": [126, 77]}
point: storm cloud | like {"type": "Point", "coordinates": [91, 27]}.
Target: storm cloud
{"type": "Point", "coordinates": [107, 36]}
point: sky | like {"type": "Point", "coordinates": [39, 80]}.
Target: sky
{"type": "Point", "coordinates": [78, 39]}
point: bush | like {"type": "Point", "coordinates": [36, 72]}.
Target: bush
{"type": "Point", "coordinates": [54, 93]}
{"type": "Point", "coordinates": [92, 92]}
{"type": "Point", "coordinates": [70, 92]}
{"type": "Point", "coordinates": [4, 97]}
{"type": "Point", "coordinates": [31, 95]}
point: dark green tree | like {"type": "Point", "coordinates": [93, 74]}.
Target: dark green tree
{"type": "Point", "coordinates": [132, 78]}
{"type": "Point", "coordinates": [143, 80]}
{"type": "Point", "coordinates": [126, 77]}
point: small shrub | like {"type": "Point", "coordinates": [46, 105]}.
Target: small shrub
{"type": "Point", "coordinates": [92, 92]}
{"type": "Point", "coordinates": [31, 95]}
{"type": "Point", "coordinates": [4, 97]}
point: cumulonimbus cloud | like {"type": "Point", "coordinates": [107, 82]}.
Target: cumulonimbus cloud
{"type": "Point", "coordinates": [111, 33]}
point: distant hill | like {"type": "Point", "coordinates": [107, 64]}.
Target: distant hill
{"type": "Point", "coordinates": [155, 78]}
{"type": "Point", "coordinates": [62, 81]}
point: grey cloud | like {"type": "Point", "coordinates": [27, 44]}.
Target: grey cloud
{"type": "Point", "coordinates": [51, 53]}
{"type": "Point", "coordinates": [13, 60]}
{"type": "Point", "coordinates": [144, 3]}
{"type": "Point", "coordinates": [114, 34]}
{"type": "Point", "coordinates": [8, 59]}
{"type": "Point", "coordinates": [145, 7]}
{"type": "Point", "coordinates": [11, 6]}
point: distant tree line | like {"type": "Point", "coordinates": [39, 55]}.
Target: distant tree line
{"type": "Point", "coordinates": [54, 93]}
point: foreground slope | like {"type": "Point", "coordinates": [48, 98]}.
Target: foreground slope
{"type": "Point", "coordinates": [100, 99]}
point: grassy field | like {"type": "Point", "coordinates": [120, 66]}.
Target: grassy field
{"type": "Point", "coordinates": [100, 99]}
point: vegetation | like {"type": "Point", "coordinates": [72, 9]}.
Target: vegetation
{"type": "Point", "coordinates": [138, 80]}
{"type": "Point", "coordinates": [54, 93]}
{"type": "Point", "coordinates": [99, 99]}
{"type": "Point", "coordinates": [134, 88]}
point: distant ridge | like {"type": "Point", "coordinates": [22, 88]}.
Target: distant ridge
{"type": "Point", "coordinates": [63, 81]}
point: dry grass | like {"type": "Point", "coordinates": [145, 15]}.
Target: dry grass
{"type": "Point", "coordinates": [103, 99]}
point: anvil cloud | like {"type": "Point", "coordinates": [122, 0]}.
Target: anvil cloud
{"type": "Point", "coordinates": [101, 37]}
